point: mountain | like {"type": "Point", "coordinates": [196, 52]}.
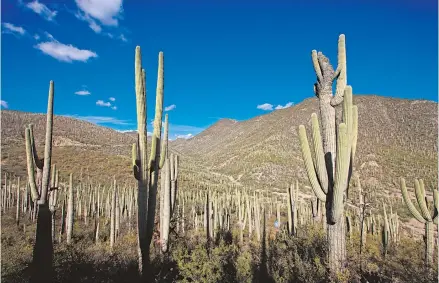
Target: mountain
{"type": "Point", "coordinates": [397, 137]}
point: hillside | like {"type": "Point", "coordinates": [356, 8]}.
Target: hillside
{"type": "Point", "coordinates": [397, 137]}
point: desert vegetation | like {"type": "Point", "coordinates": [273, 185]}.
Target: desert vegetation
{"type": "Point", "coordinates": [151, 211]}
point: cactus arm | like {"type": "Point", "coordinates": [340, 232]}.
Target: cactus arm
{"type": "Point", "coordinates": [436, 205]}
{"type": "Point", "coordinates": [409, 203]}
{"type": "Point", "coordinates": [306, 153]}
{"type": "Point", "coordinates": [420, 197]}
{"type": "Point", "coordinates": [176, 167]}
{"type": "Point", "coordinates": [342, 168]}
{"type": "Point", "coordinates": [341, 72]}
{"type": "Point", "coordinates": [135, 162]}
{"type": "Point", "coordinates": [164, 150]}
{"type": "Point", "coordinates": [30, 166]}
{"type": "Point", "coordinates": [316, 65]}
{"type": "Point", "coordinates": [37, 160]}
{"type": "Point", "coordinates": [319, 154]}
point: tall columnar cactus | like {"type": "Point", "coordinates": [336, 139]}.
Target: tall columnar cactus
{"type": "Point", "coordinates": [174, 178]}
{"type": "Point", "coordinates": [166, 208]}
{"type": "Point", "coordinates": [425, 216]}
{"type": "Point", "coordinates": [70, 211]}
{"type": "Point", "coordinates": [292, 202]}
{"type": "Point", "coordinates": [334, 151]}
{"type": "Point", "coordinates": [385, 232]}
{"type": "Point", "coordinates": [43, 248]}
{"type": "Point", "coordinates": [53, 199]}
{"type": "Point", "coordinates": [146, 170]}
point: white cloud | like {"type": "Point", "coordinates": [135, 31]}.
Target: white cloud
{"type": "Point", "coordinates": [123, 38]}
{"type": "Point", "coordinates": [289, 104]}
{"type": "Point", "coordinates": [114, 107]}
{"type": "Point", "coordinates": [4, 104]}
{"type": "Point", "coordinates": [82, 92]}
{"type": "Point", "coordinates": [112, 99]}
{"type": "Point", "coordinates": [149, 134]}
{"type": "Point", "coordinates": [188, 136]}
{"type": "Point", "coordinates": [170, 107]}
{"type": "Point", "coordinates": [106, 11]}
{"type": "Point", "coordinates": [37, 37]}
{"type": "Point", "coordinates": [42, 10]}
{"type": "Point", "coordinates": [265, 106]}
{"type": "Point", "coordinates": [64, 52]}
{"type": "Point", "coordinates": [100, 119]}
{"type": "Point", "coordinates": [102, 103]}
{"type": "Point", "coordinates": [11, 28]}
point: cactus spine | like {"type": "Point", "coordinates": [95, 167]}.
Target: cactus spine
{"type": "Point", "coordinates": [329, 175]}
{"type": "Point", "coordinates": [424, 216]}
{"type": "Point", "coordinates": [146, 171]}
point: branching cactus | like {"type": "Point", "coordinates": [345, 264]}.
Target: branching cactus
{"type": "Point", "coordinates": [43, 248]}
{"type": "Point", "coordinates": [146, 170]}
{"type": "Point", "coordinates": [425, 216]}
{"type": "Point", "coordinates": [334, 149]}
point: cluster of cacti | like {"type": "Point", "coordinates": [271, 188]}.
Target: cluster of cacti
{"type": "Point", "coordinates": [223, 205]}
{"type": "Point", "coordinates": [334, 151]}
{"type": "Point", "coordinates": [427, 216]}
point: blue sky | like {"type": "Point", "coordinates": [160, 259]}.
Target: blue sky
{"type": "Point", "coordinates": [223, 59]}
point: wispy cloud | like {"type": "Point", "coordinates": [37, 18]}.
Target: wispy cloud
{"type": "Point", "coordinates": [265, 106]}
{"type": "Point", "coordinates": [112, 99]}
{"type": "Point", "coordinates": [4, 104]}
{"type": "Point", "coordinates": [100, 120]}
{"type": "Point", "coordinates": [82, 92]}
{"type": "Point", "coordinates": [91, 23]}
{"type": "Point", "coordinates": [188, 136]}
{"type": "Point", "coordinates": [42, 10]}
{"type": "Point", "coordinates": [63, 52]}
{"type": "Point", "coordinates": [170, 107]}
{"type": "Point", "coordinates": [289, 104]}
{"type": "Point", "coordinates": [114, 107]}
{"type": "Point", "coordinates": [37, 37]}
{"type": "Point", "coordinates": [13, 29]}
{"type": "Point", "coordinates": [103, 104]}
{"type": "Point", "coordinates": [134, 130]}
{"type": "Point", "coordinates": [107, 12]}
{"type": "Point", "coordinates": [123, 38]}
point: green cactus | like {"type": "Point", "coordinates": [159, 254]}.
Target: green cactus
{"type": "Point", "coordinates": [424, 216]}
{"type": "Point", "coordinates": [146, 171]}
{"type": "Point", "coordinates": [385, 232]}
{"type": "Point", "coordinates": [334, 151]}
{"type": "Point", "coordinates": [43, 248]}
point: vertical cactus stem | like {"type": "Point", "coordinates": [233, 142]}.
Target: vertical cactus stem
{"type": "Point", "coordinates": [341, 178]}
{"type": "Point", "coordinates": [420, 196]}
{"type": "Point", "coordinates": [307, 158]}
{"type": "Point", "coordinates": [47, 147]}
{"type": "Point", "coordinates": [386, 229]}
{"type": "Point", "coordinates": [142, 192]}
{"type": "Point", "coordinates": [164, 149]}
{"type": "Point", "coordinates": [354, 132]}
{"type": "Point", "coordinates": [319, 154]}
{"type": "Point", "coordinates": [30, 166]}
{"type": "Point", "coordinates": [316, 65]}
{"type": "Point", "coordinates": [347, 112]}
{"type": "Point", "coordinates": [341, 72]}
{"type": "Point", "coordinates": [409, 203]}
{"type": "Point", "coordinates": [158, 111]}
